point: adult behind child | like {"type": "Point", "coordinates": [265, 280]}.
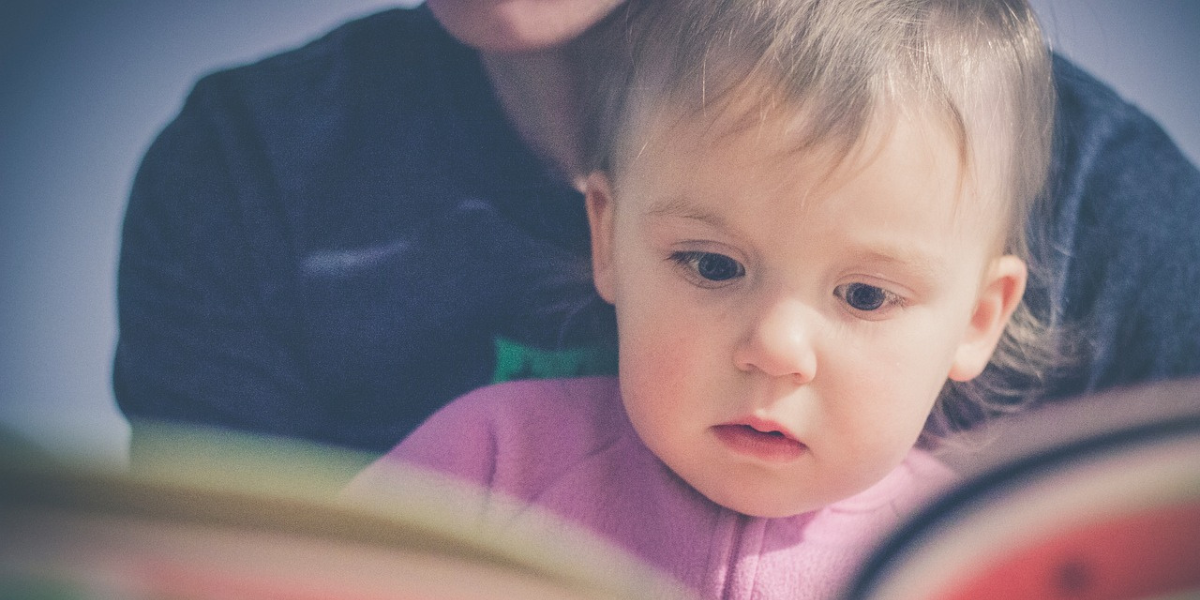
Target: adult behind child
{"type": "Point", "coordinates": [334, 242]}
{"type": "Point", "coordinates": [813, 235]}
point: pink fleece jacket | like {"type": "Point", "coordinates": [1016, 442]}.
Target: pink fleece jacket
{"type": "Point", "coordinates": [567, 446]}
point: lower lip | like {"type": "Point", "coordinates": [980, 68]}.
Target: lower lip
{"type": "Point", "coordinates": [770, 447]}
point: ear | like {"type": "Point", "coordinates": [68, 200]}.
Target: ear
{"type": "Point", "coordinates": [998, 298]}
{"type": "Point", "coordinates": [598, 195]}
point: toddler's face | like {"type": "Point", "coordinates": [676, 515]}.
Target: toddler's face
{"type": "Point", "coordinates": [786, 326]}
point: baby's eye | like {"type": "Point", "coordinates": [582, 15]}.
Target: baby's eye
{"type": "Point", "coordinates": [710, 266]}
{"type": "Point", "coordinates": [865, 297]}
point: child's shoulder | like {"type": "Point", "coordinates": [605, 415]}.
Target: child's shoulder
{"type": "Point", "coordinates": [537, 405]}
{"type": "Point", "coordinates": [519, 436]}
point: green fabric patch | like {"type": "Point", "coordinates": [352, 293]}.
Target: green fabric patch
{"type": "Point", "coordinates": [515, 360]}
{"type": "Point", "coordinates": [33, 587]}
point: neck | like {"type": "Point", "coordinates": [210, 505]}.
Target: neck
{"type": "Point", "coordinates": [538, 91]}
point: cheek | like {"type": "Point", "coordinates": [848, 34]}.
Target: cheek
{"type": "Point", "coordinates": [893, 383]}
{"type": "Point", "coordinates": [653, 376]}
{"type": "Point", "coordinates": [656, 348]}
{"type": "Point", "coordinates": [924, 350]}
{"type": "Point", "coordinates": [656, 329]}
{"type": "Point", "coordinates": [879, 430]}
{"type": "Point", "coordinates": [664, 356]}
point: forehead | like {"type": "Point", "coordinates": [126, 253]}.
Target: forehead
{"type": "Point", "coordinates": [756, 137]}
{"type": "Point", "coordinates": [906, 165]}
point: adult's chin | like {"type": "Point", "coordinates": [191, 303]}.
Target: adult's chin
{"type": "Point", "coordinates": [519, 26]}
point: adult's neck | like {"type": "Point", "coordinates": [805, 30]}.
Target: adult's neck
{"type": "Point", "coordinates": [539, 92]}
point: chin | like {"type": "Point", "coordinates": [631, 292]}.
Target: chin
{"type": "Point", "coordinates": [771, 508]}
{"type": "Point", "coordinates": [774, 511]}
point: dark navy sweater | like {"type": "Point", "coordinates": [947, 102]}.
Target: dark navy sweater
{"type": "Point", "coordinates": [328, 244]}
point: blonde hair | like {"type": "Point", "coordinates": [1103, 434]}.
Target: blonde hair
{"type": "Point", "coordinates": [982, 65]}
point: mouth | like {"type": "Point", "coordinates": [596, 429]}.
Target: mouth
{"type": "Point", "coordinates": [759, 439]}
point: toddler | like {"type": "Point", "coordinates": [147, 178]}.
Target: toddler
{"type": "Point", "coordinates": [809, 218]}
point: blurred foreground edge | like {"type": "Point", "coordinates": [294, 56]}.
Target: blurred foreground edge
{"type": "Point", "coordinates": [258, 521]}
{"type": "Point", "coordinates": [1095, 498]}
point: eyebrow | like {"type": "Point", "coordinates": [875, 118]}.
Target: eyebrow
{"type": "Point", "coordinates": [923, 264]}
{"type": "Point", "coordinates": [680, 208]}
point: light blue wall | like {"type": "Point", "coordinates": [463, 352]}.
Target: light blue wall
{"type": "Point", "coordinates": [84, 87]}
{"type": "Point", "coordinates": [1148, 50]}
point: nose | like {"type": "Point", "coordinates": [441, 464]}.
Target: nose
{"type": "Point", "coordinates": [779, 343]}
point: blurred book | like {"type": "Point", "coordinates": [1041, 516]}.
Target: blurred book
{"type": "Point", "coordinates": [259, 521]}
{"type": "Point", "coordinates": [1097, 498]}
{"type": "Point", "coordinates": [1093, 499]}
